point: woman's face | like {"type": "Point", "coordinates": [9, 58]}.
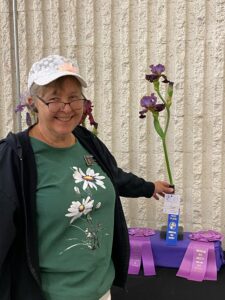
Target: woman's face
{"type": "Point", "coordinates": [60, 123]}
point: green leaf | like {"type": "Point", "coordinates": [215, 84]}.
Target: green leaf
{"type": "Point", "coordinates": [156, 85]}
{"type": "Point", "coordinates": [157, 126]}
{"type": "Point", "coordinates": [169, 95]}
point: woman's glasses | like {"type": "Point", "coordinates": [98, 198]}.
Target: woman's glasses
{"type": "Point", "coordinates": [57, 105]}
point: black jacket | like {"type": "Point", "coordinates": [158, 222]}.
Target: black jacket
{"type": "Point", "coordinates": [19, 267]}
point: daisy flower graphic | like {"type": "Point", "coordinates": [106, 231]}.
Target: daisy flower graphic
{"type": "Point", "coordinates": [89, 179]}
{"type": "Point", "coordinates": [78, 209]}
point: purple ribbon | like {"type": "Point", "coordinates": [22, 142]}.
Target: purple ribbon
{"type": "Point", "coordinates": [206, 236]}
{"type": "Point", "coordinates": [141, 250]}
{"type": "Point", "coordinates": [199, 262]}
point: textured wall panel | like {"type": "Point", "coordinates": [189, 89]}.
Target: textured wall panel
{"type": "Point", "coordinates": [176, 49]}
{"type": "Point", "coordinates": [115, 42]}
{"type": "Point", "coordinates": [7, 70]}
{"type": "Point", "coordinates": [218, 116]}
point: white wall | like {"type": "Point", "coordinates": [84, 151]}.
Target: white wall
{"type": "Point", "coordinates": [115, 42]}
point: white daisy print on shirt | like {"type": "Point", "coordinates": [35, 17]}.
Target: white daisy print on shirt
{"type": "Point", "coordinates": [77, 209]}
{"type": "Point", "coordinates": [84, 208]}
{"type": "Point", "coordinates": [90, 230]}
{"type": "Point", "coordinates": [89, 179]}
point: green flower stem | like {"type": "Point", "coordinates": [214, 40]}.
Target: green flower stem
{"type": "Point", "coordinates": [167, 110]}
{"type": "Point", "coordinates": [167, 161]}
{"type": "Point", "coordinates": [167, 120]}
{"type": "Point", "coordinates": [163, 136]}
{"type": "Point", "coordinates": [160, 96]}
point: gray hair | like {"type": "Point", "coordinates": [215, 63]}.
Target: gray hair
{"type": "Point", "coordinates": [36, 89]}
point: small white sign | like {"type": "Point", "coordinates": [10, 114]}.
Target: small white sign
{"type": "Point", "coordinates": [171, 204]}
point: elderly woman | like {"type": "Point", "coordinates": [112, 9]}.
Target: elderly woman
{"type": "Point", "coordinates": [63, 234]}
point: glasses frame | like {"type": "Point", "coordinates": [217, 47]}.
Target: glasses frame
{"type": "Point", "coordinates": [61, 102]}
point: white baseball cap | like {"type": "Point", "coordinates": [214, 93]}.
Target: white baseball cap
{"type": "Point", "coordinates": [51, 68]}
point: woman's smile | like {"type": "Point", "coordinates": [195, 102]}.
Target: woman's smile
{"type": "Point", "coordinates": [64, 119]}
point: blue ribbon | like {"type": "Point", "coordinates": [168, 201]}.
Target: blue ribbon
{"type": "Point", "coordinates": [172, 229]}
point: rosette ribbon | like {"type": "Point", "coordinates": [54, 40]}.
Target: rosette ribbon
{"type": "Point", "coordinates": [141, 251]}
{"type": "Point", "coordinates": [199, 262]}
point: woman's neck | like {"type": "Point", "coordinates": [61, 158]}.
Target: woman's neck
{"type": "Point", "coordinates": [52, 140]}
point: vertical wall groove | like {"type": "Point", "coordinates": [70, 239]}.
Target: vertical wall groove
{"type": "Point", "coordinates": [217, 142]}
{"type": "Point", "coordinates": [6, 69]}
{"type": "Point", "coordinates": [103, 69]}
{"type": "Point", "coordinates": [139, 134]}
{"type": "Point", "coordinates": [178, 101]}
{"type": "Point", "coordinates": [121, 90]}
{"type": "Point", "coordinates": [198, 96]}
{"type": "Point", "coordinates": [161, 39]}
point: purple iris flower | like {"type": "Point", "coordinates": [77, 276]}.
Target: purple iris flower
{"type": "Point", "coordinates": [149, 101]}
{"type": "Point", "coordinates": [158, 69]}
{"type": "Point", "coordinates": [156, 73]}
{"type": "Point", "coordinates": [87, 112]}
{"type": "Point", "coordinates": [20, 107]}
{"type": "Point", "coordinates": [22, 104]}
{"type": "Point", "coordinates": [165, 79]}
{"type": "Point", "coordinates": [142, 113]}
{"type": "Point", "coordinates": [151, 77]}
{"type": "Point", "coordinates": [159, 107]}
{"type": "Point", "coordinates": [28, 119]}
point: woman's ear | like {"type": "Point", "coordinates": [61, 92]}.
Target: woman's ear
{"type": "Point", "coordinates": [31, 105]}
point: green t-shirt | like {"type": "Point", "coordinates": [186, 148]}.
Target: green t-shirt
{"type": "Point", "coordinates": [75, 218]}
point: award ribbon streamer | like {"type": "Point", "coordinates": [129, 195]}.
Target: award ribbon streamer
{"type": "Point", "coordinates": [141, 251]}
{"type": "Point", "coordinates": [199, 262]}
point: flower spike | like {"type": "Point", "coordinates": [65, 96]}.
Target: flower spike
{"type": "Point", "coordinates": [149, 103]}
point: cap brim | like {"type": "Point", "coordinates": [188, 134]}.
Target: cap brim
{"type": "Point", "coordinates": [43, 80]}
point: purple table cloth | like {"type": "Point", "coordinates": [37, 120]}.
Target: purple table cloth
{"type": "Point", "coordinates": [172, 256]}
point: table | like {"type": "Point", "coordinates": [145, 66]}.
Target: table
{"type": "Point", "coordinates": [167, 286]}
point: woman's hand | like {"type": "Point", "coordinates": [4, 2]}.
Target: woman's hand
{"type": "Point", "coordinates": [162, 188]}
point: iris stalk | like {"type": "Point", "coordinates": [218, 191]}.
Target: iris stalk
{"type": "Point", "coordinates": [163, 136]}
{"type": "Point", "coordinates": [149, 104]}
